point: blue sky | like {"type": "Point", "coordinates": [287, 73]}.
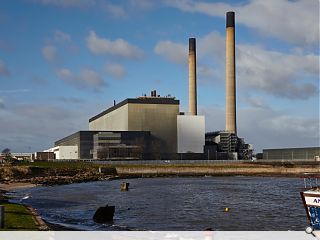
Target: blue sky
{"type": "Point", "coordinates": [63, 61]}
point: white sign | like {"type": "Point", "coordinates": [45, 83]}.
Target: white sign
{"type": "Point", "coordinates": [314, 201]}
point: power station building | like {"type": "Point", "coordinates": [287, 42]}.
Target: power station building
{"type": "Point", "coordinates": [155, 114]}
{"type": "Point", "coordinates": [147, 127]}
{"type": "Point", "coordinates": [152, 127]}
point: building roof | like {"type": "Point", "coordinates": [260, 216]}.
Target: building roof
{"type": "Point", "coordinates": [141, 100]}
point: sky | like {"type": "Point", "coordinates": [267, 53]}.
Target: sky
{"type": "Point", "coordinates": [64, 61]}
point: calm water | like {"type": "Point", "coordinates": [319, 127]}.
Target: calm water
{"type": "Point", "coordinates": [255, 203]}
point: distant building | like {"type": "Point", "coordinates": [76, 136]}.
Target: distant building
{"type": "Point", "coordinates": [294, 154]}
{"type": "Point", "coordinates": [42, 156]}
{"type": "Point", "coordinates": [22, 156]}
{"type": "Point", "coordinates": [65, 152]}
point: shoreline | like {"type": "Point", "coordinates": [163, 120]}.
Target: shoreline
{"type": "Point", "coordinates": [12, 186]}
{"type": "Point", "coordinates": [34, 179]}
{"type": "Point", "coordinates": [56, 226]}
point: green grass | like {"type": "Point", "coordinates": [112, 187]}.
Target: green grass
{"type": "Point", "coordinates": [18, 217]}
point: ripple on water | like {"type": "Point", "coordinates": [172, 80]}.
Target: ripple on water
{"type": "Point", "coordinates": [255, 203]}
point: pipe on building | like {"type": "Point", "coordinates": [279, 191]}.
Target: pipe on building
{"type": "Point", "coordinates": [231, 125]}
{"type": "Point", "coordinates": [192, 77]}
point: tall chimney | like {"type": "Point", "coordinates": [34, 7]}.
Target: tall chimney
{"type": "Point", "coordinates": [231, 125]}
{"type": "Point", "coordinates": [192, 77]}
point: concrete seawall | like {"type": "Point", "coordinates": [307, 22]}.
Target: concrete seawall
{"type": "Point", "coordinates": [154, 171]}
{"type": "Point", "coordinates": [65, 173]}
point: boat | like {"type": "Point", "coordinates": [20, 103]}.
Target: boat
{"type": "Point", "coordinates": [311, 200]}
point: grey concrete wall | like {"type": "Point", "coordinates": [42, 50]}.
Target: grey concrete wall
{"type": "Point", "coordinates": [117, 120]}
{"type": "Point", "coordinates": [159, 119]}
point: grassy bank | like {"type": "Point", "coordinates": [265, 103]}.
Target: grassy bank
{"type": "Point", "coordinates": [18, 217]}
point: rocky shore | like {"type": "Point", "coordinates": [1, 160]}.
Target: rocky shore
{"type": "Point", "coordinates": [53, 176]}
{"type": "Point", "coordinates": [64, 173]}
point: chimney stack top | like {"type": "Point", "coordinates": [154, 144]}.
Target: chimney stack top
{"type": "Point", "coordinates": [230, 19]}
{"type": "Point", "coordinates": [192, 44]}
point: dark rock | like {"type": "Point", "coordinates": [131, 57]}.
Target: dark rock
{"type": "Point", "coordinates": [104, 214]}
{"type": "Point", "coordinates": [108, 171]}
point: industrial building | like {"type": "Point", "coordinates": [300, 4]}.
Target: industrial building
{"type": "Point", "coordinates": [109, 145]}
{"type": "Point", "coordinates": [178, 132]}
{"type": "Point", "coordinates": [155, 114]}
{"type": "Point", "coordinates": [226, 144]}
{"type": "Point", "coordinates": [157, 128]}
{"type": "Point", "coordinates": [292, 154]}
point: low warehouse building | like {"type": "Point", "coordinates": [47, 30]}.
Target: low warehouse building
{"type": "Point", "coordinates": [297, 154]}
{"type": "Point", "coordinates": [65, 152]}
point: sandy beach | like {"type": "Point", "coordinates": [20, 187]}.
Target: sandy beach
{"type": "Point", "coordinates": [15, 185]}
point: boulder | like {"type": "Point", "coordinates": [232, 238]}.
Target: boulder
{"type": "Point", "coordinates": [104, 214]}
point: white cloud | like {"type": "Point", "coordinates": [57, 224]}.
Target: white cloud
{"type": "Point", "coordinates": [205, 71]}
{"type": "Point", "coordinates": [4, 71]}
{"type": "Point", "coordinates": [257, 102]}
{"type": "Point", "coordinates": [267, 128]}
{"type": "Point", "coordinates": [174, 52]}
{"type": "Point", "coordinates": [118, 47]}
{"type": "Point", "coordinates": [86, 78]}
{"type": "Point", "coordinates": [276, 73]}
{"type": "Point", "coordinates": [49, 52]}
{"type": "Point", "coordinates": [60, 36]}
{"type": "Point", "coordinates": [67, 3]}
{"type": "Point", "coordinates": [65, 74]}
{"type": "Point", "coordinates": [19, 125]}
{"type": "Point", "coordinates": [115, 70]}
{"type": "Point", "coordinates": [212, 44]}
{"type": "Point", "coordinates": [286, 124]}
{"type": "Point", "coordinates": [116, 11]}
{"type": "Point", "coordinates": [291, 21]}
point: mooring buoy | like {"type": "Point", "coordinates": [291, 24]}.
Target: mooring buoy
{"type": "Point", "coordinates": [124, 186]}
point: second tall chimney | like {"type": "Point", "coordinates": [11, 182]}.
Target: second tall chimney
{"type": "Point", "coordinates": [231, 125]}
{"type": "Point", "coordinates": [192, 77]}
